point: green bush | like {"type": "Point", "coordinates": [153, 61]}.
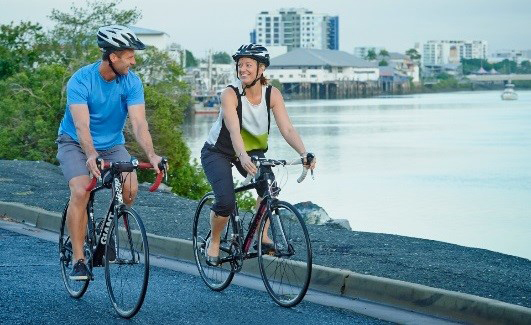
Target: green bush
{"type": "Point", "coordinates": [31, 108]}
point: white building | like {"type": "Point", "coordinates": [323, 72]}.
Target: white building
{"type": "Point", "coordinates": [514, 55]}
{"type": "Point", "coordinates": [152, 37]}
{"type": "Point", "coordinates": [296, 27]}
{"type": "Point", "coordinates": [438, 53]}
{"type": "Point", "coordinates": [320, 66]}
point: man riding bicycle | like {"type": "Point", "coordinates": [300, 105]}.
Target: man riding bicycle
{"type": "Point", "coordinates": [100, 96]}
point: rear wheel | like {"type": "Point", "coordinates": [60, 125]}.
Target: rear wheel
{"type": "Point", "coordinates": [219, 277]}
{"type": "Point", "coordinates": [76, 289]}
{"type": "Point", "coordinates": [127, 263]}
{"type": "Point", "coordinates": [286, 270]}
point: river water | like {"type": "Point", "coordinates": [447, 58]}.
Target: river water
{"type": "Point", "coordinates": [454, 167]}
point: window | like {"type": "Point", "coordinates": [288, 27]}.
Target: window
{"type": "Point", "coordinates": [281, 76]}
{"type": "Point", "coordinates": [291, 76]}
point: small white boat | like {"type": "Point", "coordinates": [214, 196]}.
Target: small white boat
{"type": "Point", "coordinates": [509, 93]}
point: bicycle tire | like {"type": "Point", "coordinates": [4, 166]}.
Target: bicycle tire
{"type": "Point", "coordinates": [216, 278]}
{"type": "Point", "coordinates": [76, 289]}
{"type": "Point", "coordinates": [286, 270]}
{"type": "Point", "coordinates": [127, 270]}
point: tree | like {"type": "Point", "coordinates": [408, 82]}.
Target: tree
{"type": "Point", "coordinates": [32, 96]}
{"type": "Point", "coordinates": [72, 38]}
{"type": "Point", "coordinates": [277, 84]}
{"type": "Point", "coordinates": [190, 60]}
{"type": "Point", "coordinates": [525, 67]}
{"type": "Point", "coordinates": [383, 63]}
{"type": "Point", "coordinates": [371, 55]}
{"type": "Point", "coordinates": [383, 53]}
{"type": "Point", "coordinates": [31, 107]}
{"type": "Point", "coordinates": [221, 57]}
{"type": "Point", "coordinates": [19, 47]}
{"type": "Point", "coordinates": [413, 55]}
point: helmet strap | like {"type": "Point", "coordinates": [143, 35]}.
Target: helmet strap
{"type": "Point", "coordinates": [254, 82]}
{"type": "Point", "coordinates": [115, 72]}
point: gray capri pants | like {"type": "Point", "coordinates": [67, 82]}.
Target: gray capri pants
{"type": "Point", "coordinates": [73, 159]}
{"type": "Point", "coordinates": [218, 170]}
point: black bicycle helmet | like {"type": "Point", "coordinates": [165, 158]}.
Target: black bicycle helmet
{"type": "Point", "coordinates": [253, 51]}
{"type": "Point", "coordinates": [116, 37]}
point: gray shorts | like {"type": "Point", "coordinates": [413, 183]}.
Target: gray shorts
{"type": "Point", "coordinates": [73, 159]}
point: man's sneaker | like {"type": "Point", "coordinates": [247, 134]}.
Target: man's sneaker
{"type": "Point", "coordinates": [80, 272]}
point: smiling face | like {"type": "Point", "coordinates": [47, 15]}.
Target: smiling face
{"type": "Point", "coordinates": [123, 60]}
{"type": "Point", "coordinates": [247, 70]}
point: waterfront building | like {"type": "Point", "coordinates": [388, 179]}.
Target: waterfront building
{"type": "Point", "coordinates": [324, 73]}
{"type": "Point", "coordinates": [452, 51]}
{"type": "Point", "coordinates": [513, 55]}
{"type": "Point", "coordinates": [296, 28]}
{"type": "Point", "coordinates": [402, 65]}
{"type": "Point", "coordinates": [445, 56]}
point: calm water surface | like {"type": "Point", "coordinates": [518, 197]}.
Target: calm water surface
{"type": "Point", "coordinates": [450, 167]}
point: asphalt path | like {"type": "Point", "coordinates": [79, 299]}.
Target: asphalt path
{"type": "Point", "coordinates": [31, 291]}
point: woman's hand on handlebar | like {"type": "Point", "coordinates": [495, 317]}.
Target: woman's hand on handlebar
{"type": "Point", "coordinates": [309, 161]}
{"type": "Point", "coordinates": [247, 163]}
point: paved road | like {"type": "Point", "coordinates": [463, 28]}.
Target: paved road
{"type": "Point", "coordinates": [31, 291]}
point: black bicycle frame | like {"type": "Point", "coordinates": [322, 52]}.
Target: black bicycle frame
{"type": "Point", "coordinates": [265, 205]}
{"type": "Point", "coordinates": [98, 242]}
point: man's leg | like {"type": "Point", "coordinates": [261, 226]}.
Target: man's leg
{"type": "Point", "coordinates": [77, 214]}
{"type": "Point", "coordinates": [130, 187]}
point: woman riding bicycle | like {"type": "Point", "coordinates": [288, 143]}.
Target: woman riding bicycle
{"type": "Point", "coordinates": [241, 131]}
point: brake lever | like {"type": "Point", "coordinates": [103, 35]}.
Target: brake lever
{"type": "Point", "coordinates": [163, 166]}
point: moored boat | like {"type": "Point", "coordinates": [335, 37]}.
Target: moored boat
{"type": "Point", "coordinates": [509, 93]}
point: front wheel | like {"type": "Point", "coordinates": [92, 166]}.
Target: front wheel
{"type": "Point", "coordinates": [75, 289]}
{"type": "Point", "coordinates": [286, 268]}
{"type": "Point", "coordinates": [219, 277]}
{"type": "Point", "coordinates": [127, 262]}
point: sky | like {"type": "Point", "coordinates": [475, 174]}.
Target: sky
{"type": "Point", "coordinates": [396, 25]}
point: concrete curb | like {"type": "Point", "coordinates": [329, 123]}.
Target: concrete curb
{"type": "Point", "coordinates": [433, 301]}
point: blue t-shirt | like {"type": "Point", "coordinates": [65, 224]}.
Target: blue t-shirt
{"type": "Point", "coordinates": [108, 103]}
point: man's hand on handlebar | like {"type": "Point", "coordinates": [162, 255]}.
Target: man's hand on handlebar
{"type": "Point", "coordinates": [94, 165]}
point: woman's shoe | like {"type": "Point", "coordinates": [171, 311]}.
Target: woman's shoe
{"type": "Point", "coordinates": [210, 260]}
{"type": "Point", "coordinates": [266, 247]}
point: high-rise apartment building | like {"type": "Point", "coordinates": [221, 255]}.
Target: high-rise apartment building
{"type": "Point", "coordinates": [451, 52]}
{"type": "Point", "coordinates": [296, 27]}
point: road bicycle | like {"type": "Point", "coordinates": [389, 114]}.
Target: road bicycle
{"type": "Point", "coordinates": [117, 242]}
{"type": "Point", "coordinates": [285, 266]}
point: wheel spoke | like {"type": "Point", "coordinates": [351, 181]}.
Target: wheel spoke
{"type": "Point", "coordinates": [219, 277]}
{"type": "Point", "coordinates": [287, 273]}
{"type": "Point", "coordinates": [127, 263]}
